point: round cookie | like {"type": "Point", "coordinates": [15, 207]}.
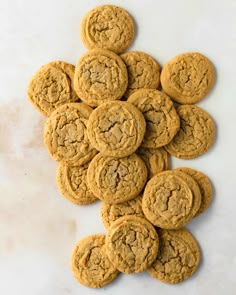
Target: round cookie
{"type": "Point", "coordinates": [205, 187]}
{"type": "Point", "coordinates": [110, 213]}
{"type": "Point", "coordinates": [116, 128]}
{"type": "Point", "coordinates": [156, 160]}
{"type": "Point", "coordinates": [100, 76]}
{"type": "Point", "coordinates": [171, 199]}
{"type": "Point", "coordinates": [178, 257]}
{"type": "Point", "coordinates": [109, 27]}
{"type": "Point", "coordinates": [90, 263]}
{"type": "Point", "coordinates": [72, 183]}
{"type": "Point", "coordinates": [65, 134]}
{"type": "Point", "coordinates": [162, 120]}
{"type": "Point", "coordinates": [52, 86]}
{"type": "Point", "coordinates": [188, 77]}
{"type": "Point", "coordinates": [132, 244]}
{"type": "Point", "coordinates": [116, 180]}
{"type": "Point", "coordinates": [196, 134]}
{"type": "Point", "coordinates": [143, 71]}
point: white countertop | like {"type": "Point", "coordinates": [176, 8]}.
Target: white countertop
{"type": "Point", "coordinates": [38, 227]}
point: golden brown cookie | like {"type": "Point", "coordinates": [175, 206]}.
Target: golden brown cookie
{"type": "Point", "coordinates": [65, 134]}
{"type": "Point", "coordinates": [52, 86]}
{"type": "Point", "coordinates": [162, 120]}
{"type": "Point", "coordinates": [100, 76]}
{"type": "Point", "coordinates": [90, 263]}
{"type": "Point", "coordinates": [132, 244]}
{"type": "Point", "coordinates": [72, 183]}
{"type": "Point", "coordinates": [109, 27]}
{"type": "Point", "coordinates": [143, 71]}
{"type": "Point", "coordinates": [178, 257]}
{"type": "Point", "coordinates": [116, 128]}
{"type": "Point", "coordinates": [110, 213]}
{"type": "Point", "coordinates": [171, 199]}
{"type": "Point", "coordinates": [116, 180]}
{"type": "Point", "coordinates": [205, 187]}
{"type": "Point", "coordinates": [196, 134]}
{"type": "Point", "coordinates": [188, 77]}
{"type": "Point", "coordinates": [156, 160]}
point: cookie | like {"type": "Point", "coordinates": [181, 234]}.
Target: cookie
{"type": "Point", "coordinates": [116, 128]}
{"type": "Point", "coordinates": [131, 244]}
{"type": "Point", "coordinates": [188, 77]}
{"type": "Point", "coordinates": [205, 187]}
{"type": "Point", "coordinates": [65, 134]}
{"type": "Point", "coordinates": [90, 263]}
{"type": "Point", "coordinates": [156, 160]}
{"type": "Point", "coordinates": [196, 134]}
{"type": "Point", "coordinates": [178, 257]}
{"type": "Point", "coordinates": [143, 71]}
{"type": "Point", "coordinates": [108, 27]}
{"type": "Point", "coordinates": [52, 86]}
{"type": "Point", "coordinates": [72, 183]}
{"type": "Point", "coordinates": [171, 199]}
{"type": "Point", "coordinates": [110, 213]}
{"type": "Point", "coordinates": [100, 76]}
{"type": "Point", "coordinates": [162, 120]}
{"type": "Point", "coordinates": [116, 180]}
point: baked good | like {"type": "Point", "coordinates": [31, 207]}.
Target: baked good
{"type": "Point", "coordinates": [205, 187]}
{"type": "Point", "coordinates": [90, 264]}
{"type": "Point", "coordinates": [109, 27]}
{"type": "Point", "coordinates": [52, 86]}
{"type": "Point", "coordinates": [171, 199]}
{"type": "Point", "coordinates": [178, 257]}
{"type": "Point", "coordinates": [65, 134]}
{"type": "Point", "coordinates": [162, 120]}
{"type": "Point", "coordinates": [110, 213]}
{"type": "Point", "coordinates": [196, 134]}
{"type": "Point", "coordinates": [72, 184]}
{"type": "Point", "coordinates": [116, 180]}
{"type": "Point", "coordinates": [156, 160]}
{"type": "Point", "coordinates": [188, 77]}
{"type": "Point", "coordinates": [116, 128]}
{"type": "Point", "coordinates": [131, 244]}
{"type": "Point", "coordinates": [100, 76]}
{"type": "Point", "coordinates": [143, 71]}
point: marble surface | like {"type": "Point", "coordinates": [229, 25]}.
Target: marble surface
{"type": "Point", "coordinates": [38, 227]}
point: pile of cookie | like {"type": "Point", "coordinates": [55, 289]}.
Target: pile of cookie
{"type": "Point", "coordinates": [113, 122]}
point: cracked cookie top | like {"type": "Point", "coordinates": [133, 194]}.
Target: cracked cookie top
{"type": "Point", "coordinates": [162, 120]}
{"type": "Point", "coordinates": [69, 70]}
{"type": "Point", "coordinates": [116, 180]}
{"type": "Point", "coordinates": [188, 77]}
{"type": "Point", "coordinates": [132, 244]}
{"type": "Point", "coordinates": [205, 187]}
{"type": "Point", "coordinates": [156, 160]}
{"type": "Point", "coordinates": [196, 134]}
{"type": "Point", "coordinates": [116, 128]}
{"type": "Point", "coordinates": [178, 257]}
{"type": "Point", "coordinates": [100, 76]}
{"type": "Point", "coordinates": [65, 134]}
{"type": "Point", "coordinates": [90, 263]}
{"type": "Point", "coordinates": [52, 86]}
{"type": "Point", "coordinates": [72, 183]}
{"type": "Point", "coordinates": [143, 71]}
{"type": "Point", "coordinates": [109, 27]}
{"type": "Point", "coordinates": [171, 199]}
{"type": "Point", "coordinates": [110, 213]}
